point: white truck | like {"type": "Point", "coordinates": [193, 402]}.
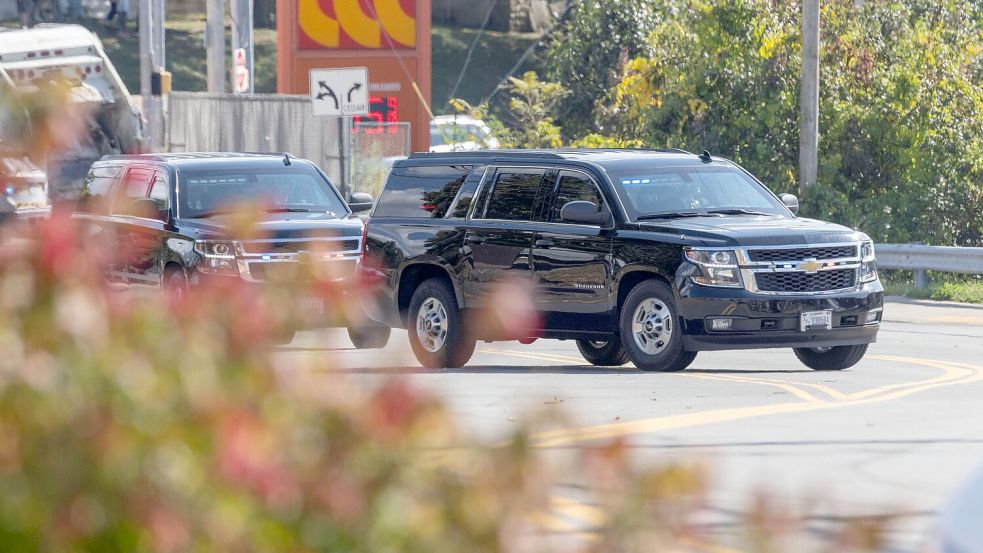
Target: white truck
{"type": "Point", "coordinates": [31, 59]}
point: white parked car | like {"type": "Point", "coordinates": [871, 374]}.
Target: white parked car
{"type": "Point", "coordinates": [460, 133]}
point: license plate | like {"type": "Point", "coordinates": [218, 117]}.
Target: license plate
{"type": "Point", "coordinates": [815, 320]}
{"type": "Point", "coordinates": [312, 306]}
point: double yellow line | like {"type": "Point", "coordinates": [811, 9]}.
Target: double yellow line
{"type": "Point", "coordinates": [813, 397]}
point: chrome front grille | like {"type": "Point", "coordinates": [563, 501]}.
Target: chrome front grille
{"type": "Point", "coordinates": [297, 246]}
{"type": "Point", "coordinates": [799, 281]}
{"type": "Point", "coordinates": [277, 259]}
{"type": "Point", "coordinates": [800, 269]}
{"type": "Point", "coordinates": [792, 254]}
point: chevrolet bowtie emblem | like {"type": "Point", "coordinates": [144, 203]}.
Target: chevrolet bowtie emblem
{"type": "Point", "coordinates": [810, 266]}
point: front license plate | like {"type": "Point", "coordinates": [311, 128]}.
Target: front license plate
{"type": "Point", "coordinates": [815, 320]}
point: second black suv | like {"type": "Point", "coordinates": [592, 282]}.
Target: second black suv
{"type": "Point", "coordinates": [169, 222]}
{"type": "Point", "coordinates": [648, 256]}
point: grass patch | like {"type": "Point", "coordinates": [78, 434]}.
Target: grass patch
{"type": "Point", "coordinates": [943, 287]}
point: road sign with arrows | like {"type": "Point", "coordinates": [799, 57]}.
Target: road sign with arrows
{"type": "Point", "coordinates": [343, 91]}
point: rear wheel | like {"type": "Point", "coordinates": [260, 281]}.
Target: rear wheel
{"type": "Point", "coordinates": [648, 329]}
{"type": "Point", "coordinates": [831, 358]}
{"type": "Point", "coordinates": [369, 336]}
{"type": "Point", "coordinates": [436, 329]}
{"type": "Point", "coordinates": [608, 353]}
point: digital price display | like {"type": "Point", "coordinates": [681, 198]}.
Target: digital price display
{"type": "Point", "coordinates": [382, 109]}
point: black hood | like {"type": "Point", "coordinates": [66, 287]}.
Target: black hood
{"type": "Point", "coordinates": [276, 225]}
{"type": "Point", "coordinates": [755, 230]}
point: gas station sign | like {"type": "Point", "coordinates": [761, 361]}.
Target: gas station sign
{"type": "Point", "coordinates": [391, 38]}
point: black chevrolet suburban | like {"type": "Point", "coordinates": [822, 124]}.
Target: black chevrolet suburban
{"type": "Point", "coordinates": [641, 255]}
{"type": "Point", "coordinates": [169, 221]}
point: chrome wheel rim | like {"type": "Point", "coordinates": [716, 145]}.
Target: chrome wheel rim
{"type": "Point", "coordinates": [651, 326]}
{"type": "Point", "coordinates": [597, 344]}
{"type": "Point", "coordinates": [822, 349]}
{"type": "Point", "coordinates": [431, 325]}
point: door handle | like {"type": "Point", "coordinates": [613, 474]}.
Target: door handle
{"type": "Point", "coordinates": [543, 243]}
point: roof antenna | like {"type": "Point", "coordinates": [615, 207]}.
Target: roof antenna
{"type": "Point", "coordinates": [705, 156]}
{"type": "Point", "coordinates": [286, 159]}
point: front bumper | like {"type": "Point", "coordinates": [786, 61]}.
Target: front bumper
{"type": "Point", "coordinates": [772, 321]}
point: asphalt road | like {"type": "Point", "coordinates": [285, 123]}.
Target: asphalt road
{"type": "Point", "coordinates": [893, 436]}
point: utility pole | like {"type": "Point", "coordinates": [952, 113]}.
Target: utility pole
{"type": "Point", "coordinates": [242, 39]}
{"type": "Point", "coordinates": [809, 118]}
{"type": "Point", "coordinates": [151, 60]}
{"type": "Point", "coordinates": [215, 45]}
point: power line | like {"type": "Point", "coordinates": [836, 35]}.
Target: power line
{"type": "Point", "coordinates": [532, 47]}
{"type": "Point", "coordinates": [474, 43]}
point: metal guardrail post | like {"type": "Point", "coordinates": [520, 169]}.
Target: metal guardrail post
{"type": "Point", "coordinates": [921, 278]}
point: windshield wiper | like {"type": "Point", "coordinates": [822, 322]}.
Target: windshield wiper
{"type": "Point", "coordinates": [212, 213]}
{"type": "Point", "coordinates": [294, 210]}
{"type": "Point", "coordinates": [671, 215]}
{"type": "Point", "coordinates": [737, 211]}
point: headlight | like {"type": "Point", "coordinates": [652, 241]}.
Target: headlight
{"type": "Point", "coordinates": [868, 262]}
{"type": "Point", "coordinates": [218, 257]}
{"type": "Point", "coordinates": [718, 268]}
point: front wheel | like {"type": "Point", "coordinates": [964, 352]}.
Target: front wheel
{"type": "Point", "coordinates": [649, 331]}
{"type": "Point", "coordinates": [831, 358]}
{"type": "Point", "coordinates": [369, 336]}
{"type": "Point", "coordinates": [609, 353]}
{"type": "Point", "coordinates": [436, 329]}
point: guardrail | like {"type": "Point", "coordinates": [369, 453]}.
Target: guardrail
{"type": "Point", "coordinates": [921, 259]}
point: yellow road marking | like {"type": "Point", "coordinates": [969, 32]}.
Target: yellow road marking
{"type": "Point", "coordinates": [788, 387]}
{"type": "Point", "coordinates": [952, 374]}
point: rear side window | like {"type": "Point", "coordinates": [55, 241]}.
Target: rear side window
{"type": "Point", "coordinates": [422, 192]}
{"type": "Point", "coordinates": [95, 189]}
{"type": "Point", "coordinates": [515, 194]}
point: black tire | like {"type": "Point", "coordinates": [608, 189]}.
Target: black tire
{"type": "Point", "coordinates": [603, 354]}
{"type": "Point", "coordinates": [832, 359]}
{"type": "Point", "coordinates": [174, 285]}
{"type": "Point", "coordinates": [369, 336]}
{"type": "Point", "coordinates": [662, 337]}
{"type": "Point", "coordinates": [457, 345]}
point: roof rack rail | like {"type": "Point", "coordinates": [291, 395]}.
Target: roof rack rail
{"type": "Point", "coordinates": [550, 154]}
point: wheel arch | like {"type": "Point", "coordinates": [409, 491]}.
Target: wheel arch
{"type": "Point", "coordinates": [411, 276]}
{"type": "Point", "coordinates": [631, 278]}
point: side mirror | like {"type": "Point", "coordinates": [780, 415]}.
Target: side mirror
{"type": "Point", "coordinates": [146, 208]}
{"type": "Point", "coordinates": [584, 213]}
{"type": "Point", "coordinates": [360, 202]}
{"type": "Point", "coordinates": [791, 202]}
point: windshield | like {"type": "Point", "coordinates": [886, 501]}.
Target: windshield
{"type": "Point", "coordinates": [296, 188]}
{"type": "Point", "coordinates": [702, 189]}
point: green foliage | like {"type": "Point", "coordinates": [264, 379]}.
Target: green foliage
{"type": "Point", "coordinates": [587, 50]}
{"type": "Point", "coordinates": [901, 106]}
{"type": "Point", "coordinates": [531, 105]}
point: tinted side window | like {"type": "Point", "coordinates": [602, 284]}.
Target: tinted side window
{"type": "Point", "coordinates": [465, 197]}
{"type": "Point", "coordinates": [421, 191]}
{"type": "Point", "coordinates": [159, 191]}
{"type": "Point", "coordinates": [575, 187]}
{"type": "Point", "coordinates": [95, 189]}
{"type": "Point", "coordinates": [136, 185]}
{"type": "Point", "coordinates": [514, 196]}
